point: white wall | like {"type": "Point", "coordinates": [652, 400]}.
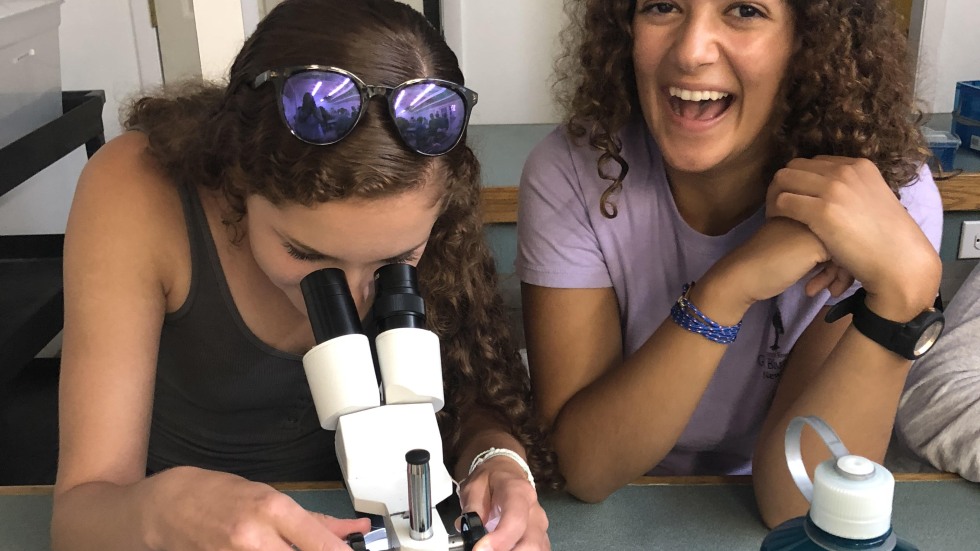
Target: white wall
{"type": "Point", "coordinates": [179, 52]}
{"type": "Point", "coordinates": [949, 52]}
{"type": "Point", "coordinates": [506, 49]}
{"type": "Point", "coordinates": [417, 4]}
{"type": "Point", "coordinates": [98, 51]}
{"type": "Point", "coordinates": [220, 34]}
{"type": "Point", "coordinates": [200, 39]}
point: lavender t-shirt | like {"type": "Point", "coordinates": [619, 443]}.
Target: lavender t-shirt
{"type": "Point", "coordinates": [646, 254]}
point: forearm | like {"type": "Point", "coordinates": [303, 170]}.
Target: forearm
{"type": "Point", "coordinates": [101, 516]}
{"type": "Point", "coordinates": [626, 422]}
{"type": "Point", "coordinates": [856, 391]}
{"type": "Point", "coordinates": [482, 431]}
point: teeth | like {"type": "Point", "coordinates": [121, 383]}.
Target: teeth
{"type": "Point", "coordinates": [696, 95]}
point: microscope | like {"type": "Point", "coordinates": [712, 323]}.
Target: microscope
{"type": "Point", "coordinates": [387, 439]}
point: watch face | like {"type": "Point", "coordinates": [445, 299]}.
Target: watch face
{"type": "Point", "coordinates": [928, 338]}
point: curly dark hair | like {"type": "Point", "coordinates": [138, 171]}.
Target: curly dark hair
{"type": "Point", "coordinates": [231, 139]}
{"type": "Point", "coordinates": [848, 91]}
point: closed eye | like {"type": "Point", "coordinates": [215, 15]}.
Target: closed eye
{"type": "Point", "coordinates": [300, 255]}
{"type": "Point", "coordinates": [408, 258]}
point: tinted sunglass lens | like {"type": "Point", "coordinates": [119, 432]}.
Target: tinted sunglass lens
{"type": "Point", "coordinates": [320, 107]}
{"type": "Point", "coordinates": [429, 116]}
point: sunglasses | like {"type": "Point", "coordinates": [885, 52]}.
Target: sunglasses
{"type": "Point", "coordinates": [321, 105]}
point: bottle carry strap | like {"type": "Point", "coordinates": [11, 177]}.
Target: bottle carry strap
{"type": "Point", "coordinates": [794, 454]}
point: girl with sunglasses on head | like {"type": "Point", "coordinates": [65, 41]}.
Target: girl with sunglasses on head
{"type": "Point", "coordinates": [727, 170]}
{"type": "Point", "coordinates": [183, 390]}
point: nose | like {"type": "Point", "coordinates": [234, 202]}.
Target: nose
{"type": "Point", "coordinates": [697, 42]}
{"type": "Point", "coordinates": [362, 289]}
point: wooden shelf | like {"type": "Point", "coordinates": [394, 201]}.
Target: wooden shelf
{"type": "Point", "coordinates": [961, 193]}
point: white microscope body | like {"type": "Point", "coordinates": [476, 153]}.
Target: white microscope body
{"type": "Point", "coordinates": [380, 446]}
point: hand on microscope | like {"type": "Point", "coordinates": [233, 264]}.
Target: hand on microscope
{"type": "Point", "coordinates": [500, 492]}
{"type": "Point", "coordinates": [207, 510]}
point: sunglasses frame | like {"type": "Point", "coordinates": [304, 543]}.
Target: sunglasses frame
{"type": "Point", "coordinates": [367, 92]}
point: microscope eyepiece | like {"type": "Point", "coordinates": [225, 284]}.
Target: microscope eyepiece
{"type": "Point", "coordinates": [330, 305]}
{"type": "Point", "coordinates": [397, 302]}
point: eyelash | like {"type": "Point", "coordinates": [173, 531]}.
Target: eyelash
{"type": "Point", "coordinates": [299, 255]}
{"type": "Point", "coordinates": [654, 6]}
{"type": "Point", "coordinates": [305, 257]}
{"type": "Point", "coordinates": [407, 259]}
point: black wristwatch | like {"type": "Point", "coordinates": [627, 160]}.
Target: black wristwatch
{"type": "Point", "coordinates": [910, 340]}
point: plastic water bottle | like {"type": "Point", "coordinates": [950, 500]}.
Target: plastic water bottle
{"type": "Point", "coordinates": [850, 500]}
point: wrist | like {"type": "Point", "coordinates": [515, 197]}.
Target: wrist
{"type": "Point", "coordinates": [151, 493]}
{"type": "Point", "coordinates": [900, 303]}
{"type": "Point", "coordinates": [719, 300]}
{"type": "Point", "coordinates": [154, 492]}
{"type": "Point", "coordinates": [502, 454]}
{"type": "Point", "coordinates": [913, 292]}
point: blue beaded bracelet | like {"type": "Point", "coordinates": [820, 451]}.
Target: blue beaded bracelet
{"type": "Point", "coordinates": [686, 314]}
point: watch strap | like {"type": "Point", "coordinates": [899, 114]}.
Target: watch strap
{"type": "Point", "coordinates": [846, 306]}
{"type": "Point", "coordinates": [894, 336]}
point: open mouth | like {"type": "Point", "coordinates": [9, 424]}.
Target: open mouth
{"type": "Point", "coordinates": [699, 105]}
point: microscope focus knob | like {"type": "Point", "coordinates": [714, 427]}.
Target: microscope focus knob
{"type": "Point", "coordinates": [356, 541]}
{"type": "Point", "coordinates": [472, 530]}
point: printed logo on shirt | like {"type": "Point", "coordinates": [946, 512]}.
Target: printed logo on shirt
{"type": "Point", "coordinates": [773, 359]}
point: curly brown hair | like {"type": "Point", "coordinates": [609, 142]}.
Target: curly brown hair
{"type": "Point", "coordinates": [848, 91]}
{"type": "Point", "coordinates": [231, 139]}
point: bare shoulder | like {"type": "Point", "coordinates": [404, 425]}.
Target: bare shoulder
{"type": "Point", "coordinates": [126, 202]}
{"type": "Point", "coordinates": [122, 174]}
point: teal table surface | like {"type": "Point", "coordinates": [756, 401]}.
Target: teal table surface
{"type": "Point", "coordinates": [936, 514]}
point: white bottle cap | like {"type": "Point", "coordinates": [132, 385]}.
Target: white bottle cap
{"type": "Point", "coordinates": [852, 498]}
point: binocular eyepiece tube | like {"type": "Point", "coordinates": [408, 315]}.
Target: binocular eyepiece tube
{"type": "Point", "coordinates": [330, 305]}
{"type": "Point", "coordinates": [398, 303]}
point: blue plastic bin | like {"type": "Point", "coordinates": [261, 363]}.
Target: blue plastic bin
{"type": "Point", "coordinates": [943, 146]}
{"type": "Point", "coordinates": [966, 113]}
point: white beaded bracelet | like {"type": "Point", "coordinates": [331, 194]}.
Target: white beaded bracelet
{"type": "Point", "coordinates": [494, 452]}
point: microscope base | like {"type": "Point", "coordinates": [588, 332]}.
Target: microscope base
{"type": "Point", "coordinates": [399, 534]}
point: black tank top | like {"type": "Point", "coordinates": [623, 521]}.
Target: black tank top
{"type": "Point", "coordinates": [224, 400]}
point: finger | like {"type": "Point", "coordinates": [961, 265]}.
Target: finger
{"type": "Point", "coordinates": [865, 170]}
{"type": "Point", "coordinates": [826, 165]}
{"type": "Point", "coordinates": [474, 496]}
{"type": "Point", "coordinates": [856, 169]}
{"type": "Point", "coordinates": [512, 526]}
{"type": "Point", "coordinates": [536, 537]}
{"type": "Point", "coordinates": [838, 159]}
{"type": "Point", "coordinates": [793, 182]}
{"type": "Point", "coordinates": [822, 280]}
{"type": "Point", "coordinates": [342, 526]}
{"type": "Point", "coordinates": [801, 180]}
{"type": "Point", "coordinates": [802, 208]}
{"type": "Point", "coordinates": [310, 533]}
{"type": "Point", "coordinates": [841, 283]}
